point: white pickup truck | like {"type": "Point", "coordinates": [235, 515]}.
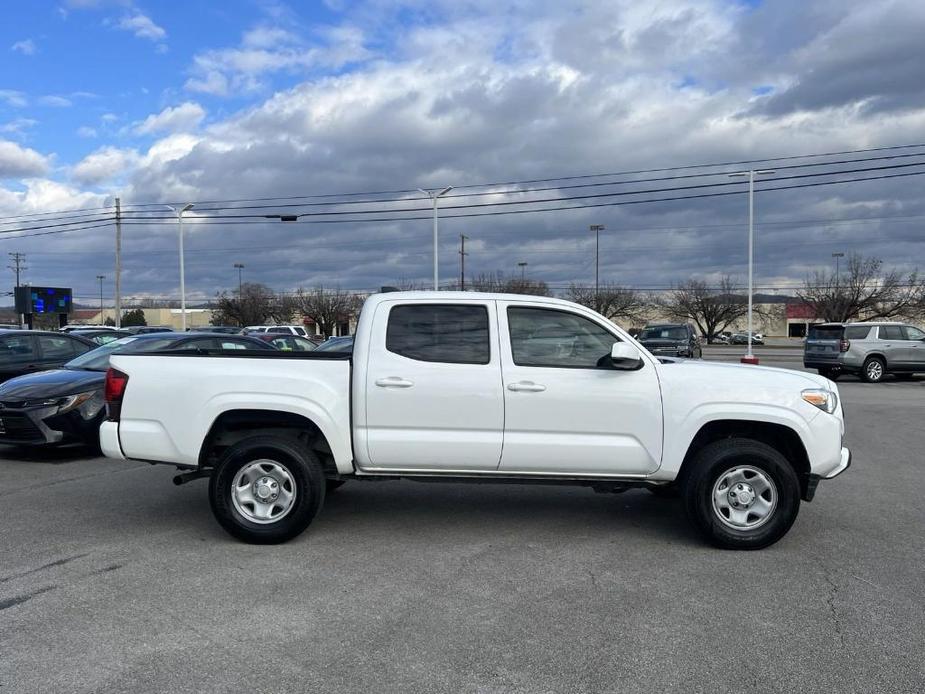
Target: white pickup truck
{"type": "Point", "coordinates": [479, 387]}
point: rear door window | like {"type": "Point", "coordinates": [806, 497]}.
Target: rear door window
{"type": "Point", "coordinates": [17, 349]}
{"type": "Point", "coordinates": [454, 334]}
{"type": "Point", "coordinates": [57, 348]}
{"type": "Point", "coordinates": [891, 332]}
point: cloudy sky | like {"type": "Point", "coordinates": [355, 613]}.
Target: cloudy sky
{"type": "Point", "coordinates": [247, 99]}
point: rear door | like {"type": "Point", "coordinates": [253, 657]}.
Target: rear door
{"type": "Point", "coordinates": [433, 387]}
{"type": "Point", "coordinates": [914, 349]}
{"type": "Point", "coordinates": [18, 355]}
{"type": "Point", "coordinates": [55, 350]}
{"type": "Point", "coordinates": [565, 411]}
{"type": "Point", "coordinates": [892, 342]}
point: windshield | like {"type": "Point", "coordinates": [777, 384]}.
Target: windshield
{"type": "Point", "coordinates": [664, 333]}
{"type": "Point", "coordinates": [98, 359]}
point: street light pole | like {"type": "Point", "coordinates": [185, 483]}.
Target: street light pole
{"type": "Point", "coordinates": [523, 268]}
{"type": "Point", "coordinates": [101, 278]}
{"type": "Point", "coordinates": [837, 256]}
{"type": "Point", "coordinates": [597, 229]}
{"type": "Point", "coordinates": [435, 196]}
{"type": "Point", "coordinates": [240, 268]}
{"type": "Point", "coordinates": [750, 358]}
{"type": "Point", "coordinates": [179, 212]}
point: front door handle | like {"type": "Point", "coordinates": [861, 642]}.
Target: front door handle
{"type": "Point", "coordinates": [526, 387]}
{"type": "Point", "coordinates": [394, 382]}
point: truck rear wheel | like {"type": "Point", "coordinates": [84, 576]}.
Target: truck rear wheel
{"type": "Point", "coordinates": [742, 494]}
{"type": "Point", "coordinates": [266, 489]}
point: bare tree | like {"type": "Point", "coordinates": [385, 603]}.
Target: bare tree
{"type": "Point", "coordinates": [497, 282]}
{"type": "Point", "coordinates": [712, 309]}
{"type": "Point", "coordinates": [327, 307]}
{"type": "Point", "coordinates": [863, 291]}
{"type": "Point", "coordinates": [255, 305]}
{"type": "Point", "coordinates": [611, 300]}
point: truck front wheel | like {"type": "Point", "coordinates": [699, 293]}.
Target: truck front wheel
{"type": "Point", "coordinates": [742, 494]}
{"type": "Point", "coordinates": [266, 489]}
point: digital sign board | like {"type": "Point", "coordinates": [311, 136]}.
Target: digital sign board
{"type": "Point", "coordinates": [43, 300]}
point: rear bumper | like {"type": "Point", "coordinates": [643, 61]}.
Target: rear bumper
{"type": "Point", "coordinates": [109, 440]}
{"type": "Point", "coordinates": [812, 481]}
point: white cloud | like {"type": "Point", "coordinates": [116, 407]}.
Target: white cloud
{"type": "Point", "coordinates": [109, 118]}
{"type": "Point", "coordinates": [141, 26]}
{"type": "Point", "coordinates": [17, 125]}
{"type": "Point", "coordinates": [105, 164]}
{"type": "Point", "coordinates": [26, 47]}
{"type": "Point", "coordinates": [87, 131]}
{"type": "Point", "coordinates": [14, 98]}
{"type": "Point", "coordinates": [20, 162]}
{"type": "Point", "coordinates": [42, 195]}
{"type": "Point", "coordinates": [186, 116]}
{"type": "Point", "coordinates": [55, 101]}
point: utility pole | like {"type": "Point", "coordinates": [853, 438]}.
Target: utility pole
{"type": "Point", "coordinates": [750, 358]}
{"type": "Point", "coordinates": [118, 301]}
{"type": "Point", "coordinates": [101, 278]}
{"type": "Point", "coordinates": [597, 229]}
{"type": "Point", "coordinates": [240, 269]}
{"type": "Point", "coordinates": [462, 262]}
{"type": "Point", "coordinates": [523, 271]}
{"type": "Point", "coordinates": [18, 267]}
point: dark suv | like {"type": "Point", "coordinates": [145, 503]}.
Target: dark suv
{"type": "Point", "coordinates": [871, 350]}
{"type": "Point", "coordinates": [671, 340]}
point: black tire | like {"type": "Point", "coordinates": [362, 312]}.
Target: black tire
{"type": "Point", "coordinates": [664, 491]}
{"type": "Point", "coordinates": [330, 485]}
{"type": "Point", "coordinates": [830, 373]}
{"type": "Point", "coordinates": [307, 480]}
{"type": "Point", "coordinates": [712, 464]}
{"type": "Point", "coordinates": [870, 373]}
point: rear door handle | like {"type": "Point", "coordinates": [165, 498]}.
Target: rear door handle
{"type": "Point", "coordinates": [526, 387]}
{"type": "Point", "coordinates": [394, 382]}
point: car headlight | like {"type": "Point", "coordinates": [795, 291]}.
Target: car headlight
{"type": "Point", "coordinates": [825, 400]}
{"type": "Point", "coordinates": [72, 402]}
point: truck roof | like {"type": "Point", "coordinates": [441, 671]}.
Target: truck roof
{"type": "Point", "coordinates": [462, 296]}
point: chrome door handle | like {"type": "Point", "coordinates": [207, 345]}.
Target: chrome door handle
{"type": "Point", "coordinates": [394, 382]}
{"type": "Point", "coordinates": [526, 387]}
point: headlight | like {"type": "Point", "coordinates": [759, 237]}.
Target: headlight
{"type": "Point", "coordinates": [825, 400]}
{"type": "Point", "coordinates": [72, 402]}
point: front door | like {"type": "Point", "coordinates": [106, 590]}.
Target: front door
{"type": "Point", "coordinates": [914, 349]}
{"type": "Point", "coordinates": [565, 411]}
{"type": "Point", "coordinates": [434, 399]}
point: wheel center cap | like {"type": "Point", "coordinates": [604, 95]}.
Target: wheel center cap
{"type": "Point", "coordinates": [266, 489]}
{"type": "Point", "coordinates": [741, 495]}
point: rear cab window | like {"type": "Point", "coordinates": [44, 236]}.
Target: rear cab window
{"type": "Point", "coordinates": [448, 333]}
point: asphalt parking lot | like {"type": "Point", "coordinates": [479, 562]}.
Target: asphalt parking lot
{"type": "Point", "coordinates": [114, 580]}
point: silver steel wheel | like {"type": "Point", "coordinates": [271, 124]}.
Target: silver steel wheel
{"type": "Point", "coordinates": [263, 491]}
{"type": "Point", "coordinates": [874, 370]}
{"type": "Point", "coordinates": [744, 498]}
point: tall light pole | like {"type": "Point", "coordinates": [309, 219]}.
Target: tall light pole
{"type": "Point", "coordinates": [462, 262]}
{"type": "Point", "coordinates": [101, 278]}
{"type": "Point", "coordinates": [179, 212]}
{"type": "Point", "coordinates": [750, 358]}
{"type": "Point", "coordinates": [523, 269]}
{"type": "Point", "coordinates": [837, 256]}
{"type": "Point", "coordinates": [597, 229]}
{"type": "Point", "coordinates": [240, 268]}
{"type": "Point", "coordinates": [435, 197]}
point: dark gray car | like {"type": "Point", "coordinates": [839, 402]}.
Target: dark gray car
{"type": "Point", "coordinates": [871, 350]}
{"type": "Point", "coordinates": [671, 340]}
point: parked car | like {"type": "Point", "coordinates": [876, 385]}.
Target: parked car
{"type": "Point", "coordinates": [66, 405]}
{"type": "Point", "coordinates": [287, 343]}
{"type": "Point", "coordinates": [71, 327]}
{"type": "Point", "coordinates": [284, 329]}
{"type": "Point", "coordinates": [101, 336]}
{"type": "Point", "coordinates": [225, 329]}
{"type": "Point", "coordinates": [671, 340]}
{"type": "Point", "coordinates": [336, 344]}
{"type": "Point", "coordinates": [742, 339]}
{"type": "Point", "coordinates": [450, 385]}
{"type": "Point", "coordinates": [25, 351]}
{"type": "Point", "coordinates": [871, 350]}
{"type": "Point", "coordinates": [145, 329]}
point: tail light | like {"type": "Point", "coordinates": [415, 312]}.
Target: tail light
{"type": "Point", "coordinates": [843, 345]}
{"type": "Point", "coordinates": [114, 390]}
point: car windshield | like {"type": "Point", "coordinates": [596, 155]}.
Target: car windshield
{"type": "Point", "coordinates": [664, 333]}
{"type": "Point", "coordinates": [336, 344]}
{"type": "Point", "coordinates": [98, 359]}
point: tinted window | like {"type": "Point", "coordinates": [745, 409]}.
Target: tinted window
{"type": "Point", "coordinates": [914, 333]}
{"type": "Point", "coordinates": [237, 344]}
{"type": "Point", "coordinates": [434, 332]}
{"type": "Point", "coordinates": [56, 348]}
{"type": "Point", "coordinates": [300, 331]}
{"type": "Point", "coordinates": [891, 332]}
{"type": "Point", "coordinates": [857, 332]}
{"type": "Point", "coordinates": [665, 332]}
{"type": "Point", "coordinates": [825, 332]}
{"type": "Point", "coordinates": [279, 330]}
{"type": "Point", "coordinates": [16, 349]}
{"type": "Point", "coordinates": [546, 337]}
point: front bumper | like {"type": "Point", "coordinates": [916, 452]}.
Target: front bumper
{"type": "Point", "coordinates": [812, 481]}
{"type": "Point", "coordinates": [42, 426]}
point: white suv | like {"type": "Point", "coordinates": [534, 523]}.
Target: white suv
{"type": "Point", "coordinates": [283, 329]}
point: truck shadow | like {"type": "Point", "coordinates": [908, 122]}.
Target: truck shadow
{"type": "Point", "coordinates": [54, 455]}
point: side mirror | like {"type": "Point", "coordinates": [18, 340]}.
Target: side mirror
{"type": "Point", "coordinates": [625, 357]}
